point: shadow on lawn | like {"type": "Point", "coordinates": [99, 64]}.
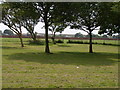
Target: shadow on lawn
{"type": "Point", "coordinates": [64, 45]}
{"type": "Point", "coordinates": [6, 47]}
{"type": "Point", "coordinates": [11, 47]}
{"type": "Point", "coordinates": [68, 58]}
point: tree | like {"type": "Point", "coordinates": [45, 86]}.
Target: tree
{"type": "Point", "coordinates": [45, 9]}
{"type": "Point", "coordinates": [8, 32]}
{"type": "Point", "coordinates": [79, 35]}
{"type": "Point", "coordinates": [12, 20]}
{"type": "Point", "coordinates": [61, 18]}
{"type": "Point", "coordinates": [87, 19]}
{"type": "Point", "coordinates": [109, 18]}
{"type": "Point", "coordinates": [56, 27]}
{"type": "Point", "coordinates": [30, 17]}
{"type": "Point", "coordinates": [48, 11]}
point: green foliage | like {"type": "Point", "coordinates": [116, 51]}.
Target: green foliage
{"type": "Point", "coordinates": [116, 7]}
{"type": "Point", "coordinates": [109, 18]}
{"type": "Point", "coordinates": [85, 42]}
{"type": "Point", "coordinates": [87, 16]}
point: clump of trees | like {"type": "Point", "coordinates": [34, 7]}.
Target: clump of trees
{"type": "Point", "coordinates": [86, 16]}
{"type": "Point", "coordinates": [8, 32]}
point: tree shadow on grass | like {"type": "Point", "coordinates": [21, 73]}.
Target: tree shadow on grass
{"type": "Point", "coordinates": [68, 58]}
{"type": "Point", "coordinates": [64, 45]}
{"type": "Point", "coordinates": [6, 47]}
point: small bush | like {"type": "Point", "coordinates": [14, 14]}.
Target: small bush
{"type": "Point", "coordinates": [59, 41]}
{"type": "Point", "coordinates": [37, 42]}
{"type": "Point", "coordinates": [76, 42]}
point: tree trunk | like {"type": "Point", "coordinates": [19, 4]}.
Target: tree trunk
{"type": "Point", "coordinates": [90, 43]}
{"type": "Point", "coordinates": [20, 37]}
{"type": "Point", "coordinates": [53, 38]}
{"type": "Point", "coordinates": [34, 37]}
{"type": "Point", "coordinates": [47, 50]}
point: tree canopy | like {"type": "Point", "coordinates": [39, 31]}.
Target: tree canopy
{"type": "Point", "coordinates": [109, 18]}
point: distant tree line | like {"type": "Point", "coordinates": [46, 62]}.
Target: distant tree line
{"type": "Point", "coordinates": [79, 35]}
{"type": "Point", "coordinates": [56, 16]}
{"type": "Point", "coordinates": [8, 32]}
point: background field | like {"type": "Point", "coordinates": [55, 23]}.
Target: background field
{"type": "Point", "coordinates": [70, 65]}
{"type": "Point", "coordinates": [16, 40]}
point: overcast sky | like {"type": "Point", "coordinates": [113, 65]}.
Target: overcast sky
{"type": "Point", "coordinates": [38, 29]}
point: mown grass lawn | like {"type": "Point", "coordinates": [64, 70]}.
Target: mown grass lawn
{"type": "Point", "coordinates": [70, 66]}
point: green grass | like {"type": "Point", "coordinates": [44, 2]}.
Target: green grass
{"type": "Point", "coordinates": [16, 40]}
{"type": "Point", "coordinates": [70, 66]}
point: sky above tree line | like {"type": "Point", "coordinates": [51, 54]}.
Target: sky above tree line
{"type": "Point", "coordinates": [39, 29]}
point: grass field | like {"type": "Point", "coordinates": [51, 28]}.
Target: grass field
{"type": "Point", "coordinates": [16, 40]}
{"type": "Point", "coordinates": [70, 66]}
